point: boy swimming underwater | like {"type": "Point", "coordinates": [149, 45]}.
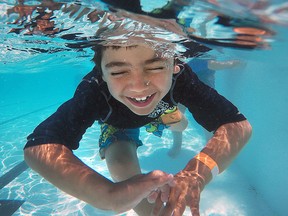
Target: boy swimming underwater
{"type": "Point", "coordinates": [135, 83]}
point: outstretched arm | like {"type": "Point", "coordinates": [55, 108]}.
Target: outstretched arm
{"type": "Point", "coordinates": [61, 167]}
{"type": "Point", "coordinates": [223, 147]}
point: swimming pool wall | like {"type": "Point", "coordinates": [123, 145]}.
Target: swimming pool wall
{"type": "Point", "coordinates": [260, 91]}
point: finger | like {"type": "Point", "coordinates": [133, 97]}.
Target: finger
{"type": "Point", "coordinates": [194, 203]}
{"type": "Point", "coordinates": [194, 207]}
{"type": "Point", "coordinates": [158, 179]}
{"type": "Point", "coordinates": [153, 196]}
{"type": "Point", "coordinates": [171, 204]}
{"type": "Point", "coordinates": [165, 191]}
{"type": "Point", "coordinates": [176, 204]}
{"type": "Point", "coordinates": [158, 206]}
{"type": "Point", "coordinates": [168, 209]}
{"type": "Point", "coordinates": [179, 210]}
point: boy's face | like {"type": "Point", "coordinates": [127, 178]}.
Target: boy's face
{"type": "Point", "coordinates": [137, 77]}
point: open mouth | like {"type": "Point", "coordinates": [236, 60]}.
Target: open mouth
{"type": "Point", "coordinates": [141, 101]}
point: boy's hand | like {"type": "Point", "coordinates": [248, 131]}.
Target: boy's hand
{"type": "Point", "coordinates": [186, 192]}
{"type": "Point", "coordinates": [132, 191]}
{"type": "Point", "coordinates": [161, 193]}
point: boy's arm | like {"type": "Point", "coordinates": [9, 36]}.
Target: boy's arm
{"type": "Point", "coordinates": [226, 143]}
{"type": "Point", "coordinates": [57, 164]}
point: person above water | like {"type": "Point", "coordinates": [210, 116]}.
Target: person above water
{"type": "Point", "coordinates": [136, 82]}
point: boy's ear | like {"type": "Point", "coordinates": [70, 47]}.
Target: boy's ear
{"type": "Point", "coordinates": [176, 69]}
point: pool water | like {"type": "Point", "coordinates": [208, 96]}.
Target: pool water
{"type": "Point", "coordinates": [33, 85]}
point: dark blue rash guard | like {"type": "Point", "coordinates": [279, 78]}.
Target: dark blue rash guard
{"type": "Point", "coordinates": [93, 102]}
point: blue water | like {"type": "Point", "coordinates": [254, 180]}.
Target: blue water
{"type": "Point", "coordinates": [32, 86]}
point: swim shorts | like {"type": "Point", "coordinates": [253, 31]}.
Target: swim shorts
{"type": "Point", "coordinates": [110, 134]}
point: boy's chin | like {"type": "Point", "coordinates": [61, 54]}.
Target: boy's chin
{"type": "Point", "coordinates": [142, 112]}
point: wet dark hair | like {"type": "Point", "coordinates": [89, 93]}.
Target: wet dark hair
{"type": "Point", "coordinates": [98, 53]}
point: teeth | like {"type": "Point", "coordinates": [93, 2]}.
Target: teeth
{"type": "Point", "coordinates": [142, 99]}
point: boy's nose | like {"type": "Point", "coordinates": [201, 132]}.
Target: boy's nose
{"type": "Point", "coordinates": [139, 83]}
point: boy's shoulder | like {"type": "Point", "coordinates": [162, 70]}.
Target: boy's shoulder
{"type": "Point", "coordinates": [186, 76]}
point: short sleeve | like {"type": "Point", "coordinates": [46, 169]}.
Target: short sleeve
{"type": "Point", "coordinates": [68, 124]}
{"type": "Point", "coordinates": [208, 107]}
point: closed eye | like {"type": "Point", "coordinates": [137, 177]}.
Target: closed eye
{"type": "Point", "coordinates": [156, 68]}
{"type": "Point", "coordinates": [118, 73]}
